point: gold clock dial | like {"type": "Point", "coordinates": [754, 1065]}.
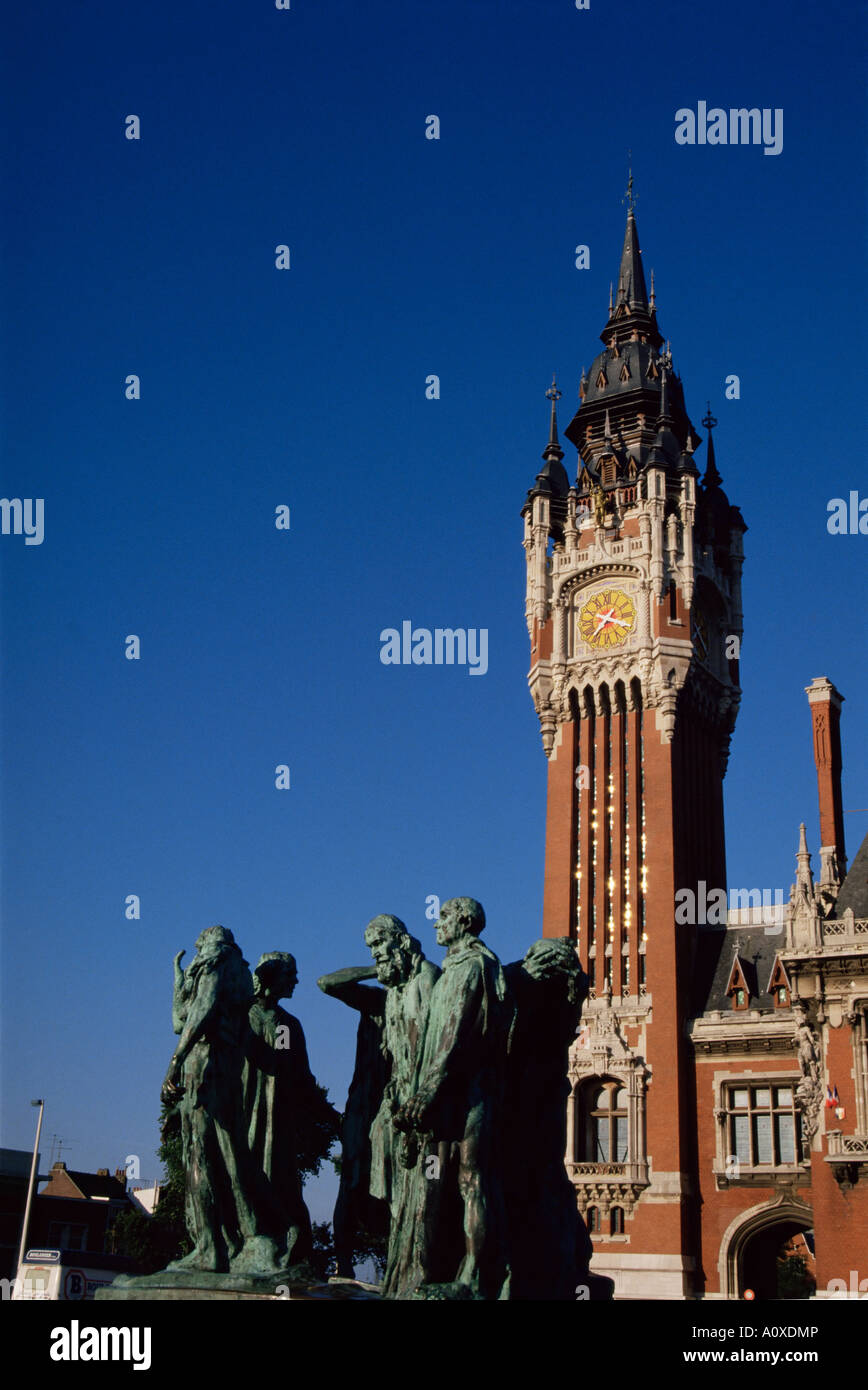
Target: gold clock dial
{"type": "Point", "coordinates": [606, 619]}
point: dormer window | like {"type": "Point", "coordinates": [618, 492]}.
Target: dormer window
{"type": "Point", "coordinates": [737, 987]}
{"type": "Point", "coordinates": [625, 373]}
{"type": "Point", "coordinates": [779, 985]}
{"type": "Point", "coordinates": [652, 371]}
{"type": "Point", "coordinates": [602, 380]}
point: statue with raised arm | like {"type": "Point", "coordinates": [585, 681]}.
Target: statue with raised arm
{"type": "Point", "coordinates": [210, 1004]}
{"type": "Point", "coordinates": [395, 1169]}
{"type": "Point", "coordinates": [355, 1209]}
{"type": "Point", "coordinates": [454, 1116]}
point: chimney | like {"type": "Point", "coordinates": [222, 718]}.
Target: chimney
{"type": "Point", "coordinates": [825, 702]}
{"type": "Point", "coordinates": [102, 1172]}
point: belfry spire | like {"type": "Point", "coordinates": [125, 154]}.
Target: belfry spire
{"type": "Point", "coordinates": [553, 449]}
{"type": "Point", "coordinates": [712, 476]}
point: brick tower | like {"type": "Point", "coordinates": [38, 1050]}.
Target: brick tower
{"type": "Point", "coordinates": [634, 614]}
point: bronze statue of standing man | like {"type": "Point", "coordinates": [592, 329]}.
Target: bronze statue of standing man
{"type": "Point", "coordinates": [457, 1104]}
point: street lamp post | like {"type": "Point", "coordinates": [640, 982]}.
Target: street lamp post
{"type": "Point", "coordinates": [31, 1184]}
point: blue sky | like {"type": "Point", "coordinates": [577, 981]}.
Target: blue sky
{"type": "Point", "coordinates": [306, 387]}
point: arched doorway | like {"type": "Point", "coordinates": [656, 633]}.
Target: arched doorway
{"type": "Point", "coordinates": [769, 1250]}
{"type": "Point", "coordinates": [778, 1262]}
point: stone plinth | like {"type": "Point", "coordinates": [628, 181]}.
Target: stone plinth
{"type": "Point", "coordinates": [173, 1286]}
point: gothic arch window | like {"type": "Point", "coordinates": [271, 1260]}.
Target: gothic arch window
{"type": "Point", "coordinates": [616, 1221]}
{"type": "Point", "coordinates": [605, 1131]}
{"type": "Point", "coordinates": [593, 1219]}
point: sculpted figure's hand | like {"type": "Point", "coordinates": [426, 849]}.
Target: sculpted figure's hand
{"type": "Point", "coordinates": [171, 1087]}
{"type": "Point", "coordinates": [412, 1115]}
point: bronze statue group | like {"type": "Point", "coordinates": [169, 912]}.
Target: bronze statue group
{"type": "Point", "coordinates": [453, 1133]}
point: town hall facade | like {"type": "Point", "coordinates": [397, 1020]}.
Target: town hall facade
{"type": "Point", "coordinates": [718, 1117]}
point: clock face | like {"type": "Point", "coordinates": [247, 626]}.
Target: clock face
{"type": "Point", "coordinates": [606, 619]}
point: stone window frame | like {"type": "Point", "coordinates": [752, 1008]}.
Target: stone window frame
{"type": "Point", "coordinates": [587, 1133]}
{"type": "Point", "coordinates": [633, 1074]}
{"type": "Point", "coordinates": [722, 1082]}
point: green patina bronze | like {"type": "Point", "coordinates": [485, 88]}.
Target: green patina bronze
{"type": "Point", "coordinates": [279, 1090]}
{"type": "Point", "coordinates": [356, 1210]}
{"type": "Point", "coordinates": [455, 1125]}
{"type": "Point", "coordinates": [241, 1083]}
{"type": "Point", "coordinates": [467, 1145]}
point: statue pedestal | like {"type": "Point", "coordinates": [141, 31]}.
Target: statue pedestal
{"type": "Point", "coordinates": [175, 1286]}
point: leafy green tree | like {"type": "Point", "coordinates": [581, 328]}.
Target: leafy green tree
{"type": "Point", "coordinates": [154, 1241]}
{"type": "Point", "coordinates": [794, 1278]}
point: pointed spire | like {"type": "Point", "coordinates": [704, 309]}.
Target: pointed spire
{"type": "Point", "coordinates": [631, 276]}
{"type": "Point", "coordinates": [607, 433]}
{"type": "Point", "coordinates": [804, 876]}
{"type": "Point", "coordinates": [686, 462]}
{"type": "Point", "coordinates": [553, 449]}
{"type": "Point", "coordinates": [552, 477]}
{"type": "Point", "coordinates": [664, 419]}
{"type": "Point", "coordinates": [712, 477]}
{"type": "Point", "coordinates": [652, 304]}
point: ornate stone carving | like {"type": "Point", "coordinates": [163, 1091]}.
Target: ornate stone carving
{"type": "Point", "coordinates": [809, 1092]}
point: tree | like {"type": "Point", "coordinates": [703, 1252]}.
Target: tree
{"type": "Point", "coordinates": [154, 1241]}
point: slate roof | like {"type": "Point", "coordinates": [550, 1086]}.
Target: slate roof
{"type": "Point", "coordinates": [713, 966]}
{"type": "Point", "coordinates": [854, 889]}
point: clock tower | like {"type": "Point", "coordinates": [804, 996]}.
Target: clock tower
{"type": "Point", "coordinates": [635, 621]}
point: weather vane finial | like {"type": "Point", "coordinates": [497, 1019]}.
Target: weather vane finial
{"type": "Point", "coordinates": [708, 420]}
{"type": "Point", "coordinates": [629, 197]}
{"type": "Point", "coordinates": [553, 394]}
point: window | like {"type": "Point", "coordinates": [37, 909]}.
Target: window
{"type": "Point", "coordinates": [616, 1221]}
{"type": "Point", "coordinates": [606, 1126]}
{"type": "Point", "coordinates": [63, 1236]}
{"type": "Point", "coordinates": [593, 1220]}
{"type": "Point", "coordinates": [762, 1125]}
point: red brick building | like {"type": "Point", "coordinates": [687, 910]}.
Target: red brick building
{"type": "Point", "coordinates": [704, 1157]}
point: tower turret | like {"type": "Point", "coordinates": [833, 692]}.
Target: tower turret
{"type": "Point", "coordinates": [634, 615]}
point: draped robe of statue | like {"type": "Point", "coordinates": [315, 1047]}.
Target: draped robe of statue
{"type": "Point", "coordinates": [397, 1173]}
{"type": "Point", "coordinates": [280, 1093]}
{"type": "Point", "coordinates": [455, 1219]}
{"type": "Point", "coordinates": [223, 1195]}
{"type": "Point", "coordinates": [549, 1247]}
{"type": "Point", "coordinates": [356, 1209]}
